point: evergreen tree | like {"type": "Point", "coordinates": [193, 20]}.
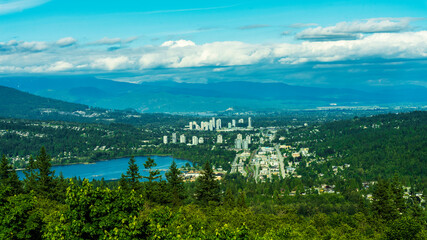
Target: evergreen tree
{"type": "Point", "coordinates": [404, 228]}
{"type": "Point", "coordinates": [132, 178]}
{"type": "Point", "coordinates": [133, 171]}
{"type": "Point", "coordinates": [45, 176]}
{"type": "Point", "coordinates": [414, 208]}
{"type": "Point", "coordinates": [14, 182]}
{"type": "Point", "coordinates": [383, 204]}
{"type": "Point", "coordinates": [61, 185]}
{"type": "Point", "coordinates": [397, 194]}
{"type": "Point", "coordinates": [4, 169]}
{"type": "Point", "coordinates": [152, 189]}
{"type": "Point", "coordinates": [30, 181]}
{"type": "Point", "coordinates": [241, 201]}
{"type": "Point", "coordinates": [8, 177]}
{"type": "Point", "coordinates": [276, 196]}
{"type": "Point", "coordinates": [208, 190]}
{"type": "Point", "coordinates": [153, 174]}
{"type": "Point", "coordinates": [229, 198]}
{"type": "Point", "coordinates": [123, 182]}
{"type": "Point", "coordinates": [175, 185]}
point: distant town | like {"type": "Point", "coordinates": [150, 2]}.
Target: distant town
{"type": "Point", "coordinates": [258, 156]}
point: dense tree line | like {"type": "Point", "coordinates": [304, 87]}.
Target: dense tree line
{"type": "Point", "coordinates": [80, 140]}
{"type": "Point", "coordinates": [197, 154]}
{"type": "Point", "coordinates": [22, 138]}
{"type": "Point", "coordinates": [45, 206]}
{"type": "Point", "coordinates": [377, 146]}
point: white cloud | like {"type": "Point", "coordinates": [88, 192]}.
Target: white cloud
{"type": "Point", "coordinates": [129, 40]}
{"type": "Point", "coordinates": [354, 30]}
{"type": "Point", "coordinates": [380, 45]}
{"type": "Point", "coordinates": [10, 69]}
{"type": "Point", "coordinates": [179, 43]}
{"type": "Point", "coordinates": [55, 67]}
{"type": "Point", "coordinates": [112, 63]}
{"type": "Point", "coordinates": [220, 69]}
{"type": "Point", "coordinates": [60, 66]}
{"type": "Point", "coordinates": [19, 56]}
{"type": "Point", "coordinates": [19, 5]}
{"type": "Point", "coordinates": [66, 42]}
{"type": "Point", "coordinates": [33, 46]}
{"type": "Point", "coordinates": [21, 46]}
{"type": "Point", "coordinates": [186, 54]}
{"type": "Point", "coordinates": [108, 41]}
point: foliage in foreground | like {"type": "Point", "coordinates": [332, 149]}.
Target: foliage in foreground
{"type": "Point", "coordinates": [48, 207]}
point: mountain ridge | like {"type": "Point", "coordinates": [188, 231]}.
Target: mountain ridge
{"type": "Point", "coordinates": [17, 104]}
{"type": "Point", "coordinates": [170, 96]}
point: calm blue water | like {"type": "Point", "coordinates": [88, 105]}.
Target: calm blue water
{"type": "Point", "coordinates": [111, 169]}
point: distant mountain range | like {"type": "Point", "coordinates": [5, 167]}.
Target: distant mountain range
{"type": "Point", "coordinates": [18, 104]}
{"type": "Point", "coordinates": [169, 96]}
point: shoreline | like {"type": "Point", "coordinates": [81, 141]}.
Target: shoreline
{"type": "Point", "coordinates": [102, 160]}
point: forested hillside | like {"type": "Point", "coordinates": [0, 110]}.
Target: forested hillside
{"type": "Point", "coordinates": [381, 145]}
{"type": "Point", "coordinates": [14, 103]}
{"type": "Point", "coordinates": [386, 150]}
{"type": "Point", "coordinates": [22, 105]}
{"type": "Point", "coordinates": [375, 147]}
{"type": "Point", "coordinates": [70, 142]}
{"type": "Point", "coordinates": [45, 206]}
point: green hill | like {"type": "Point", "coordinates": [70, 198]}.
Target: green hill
{"type": "Point", "coordinates": [17, 104]}
{"type": "Point", "coordinates": [374, 147]}
{"type": "Point", "coordinates": [22, 105]}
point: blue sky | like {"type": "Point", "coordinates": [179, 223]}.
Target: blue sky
{"type": "Point", "coordinates": [195, 20]}
{"type": "Point", "coordinates": [292, 41]}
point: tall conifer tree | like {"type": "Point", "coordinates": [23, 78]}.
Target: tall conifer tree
{"type": "Point", "coordinates": [153, 174]}
{"type": "Point", "coordinates": [8, 177]}
{"type": "Point", "coordinates": [229, 198]}
{"type": "Point", "coordinates": [175, 185]}
{"type": "Point", "coordinates": [383, 204]}
{"type": "Point", "coordinates": [30, 181]}
{"type": "Point", "coordinates": [208, 190]}
{"type": "Point", "coordinates": [241, 201]}
{"type": "Point", "coordinates": [397, 194]}
{"type": "Point", "coordinates": [132, 178]}
{"type": "Point", "coordinates": [152, 188]}
{"type": "Point", "coordinates": [45, 179]}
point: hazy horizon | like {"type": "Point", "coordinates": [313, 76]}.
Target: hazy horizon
{"type": "Point", "coordinates": [343, 44]}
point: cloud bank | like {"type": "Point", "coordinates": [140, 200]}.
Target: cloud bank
{"type": "Point", "coordinates": [66, 42]}
{"type": "Point", "coordinates": [381, 39]}
{"type": "Point", "coordinates": [355, 30]}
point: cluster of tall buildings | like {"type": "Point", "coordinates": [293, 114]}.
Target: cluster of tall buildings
{"type": "Point", "coordinates": [182, 139]}
{"type": "Point", "coordinates": [198, 140]}
{"type": "Point", "coordinates": [215, 124]}
{"type": "Point", "coordinates": [205, 126]}
{"type": "Point", "coordinates": [241, 143]}
{"type": "Point", "coordinates": [174, 139]}
{"type": "Point", "coordinates": [194, 140]}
